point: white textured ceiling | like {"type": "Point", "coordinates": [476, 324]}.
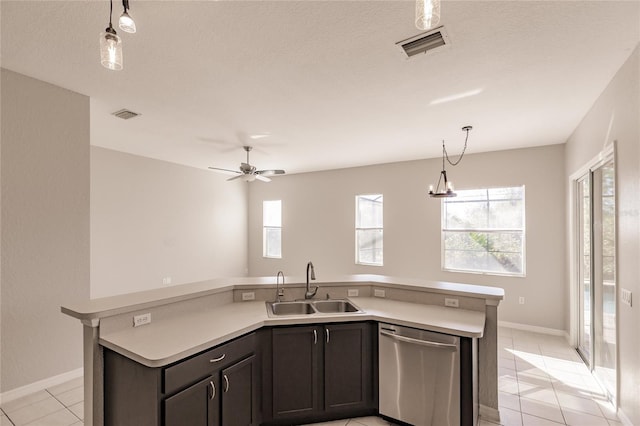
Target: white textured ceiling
{"type": "Point", "coordinates": [324, 79]}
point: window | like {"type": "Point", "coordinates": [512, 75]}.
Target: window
{"type": "Point", "coordinates": [272, 229]}
{"type": "Point", "coordinates": [483, 231]}
{"type": "Point", "coordinates": [369, 229]}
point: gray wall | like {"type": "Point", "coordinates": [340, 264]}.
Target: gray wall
{"type": "Point", "coordinates": [44, 175]}
{"type": "Point", "coordinates": [616, 117]}
{"type": "Point", "coordinates": [152, 219]}
{"type": "Point", "coordinates": [318, 212]}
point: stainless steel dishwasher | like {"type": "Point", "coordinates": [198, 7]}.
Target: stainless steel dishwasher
{"type": "Point", "coordinates": [419, 376]}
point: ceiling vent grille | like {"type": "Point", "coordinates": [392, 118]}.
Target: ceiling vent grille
{"type": "Point", "coordinates": [125, 114]}
{"type": "Point", "coordinates": [424, 43]}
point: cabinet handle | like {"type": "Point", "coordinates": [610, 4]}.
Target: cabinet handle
{"type": "Point", "coordinates": [315, 337]}
{"type": "Point", "coordinates": [220, 358]}
{"type": "Point", "coordinates": [326, 332]}
{"type": "Point", "coordinates": [226, 383]}
{"type": "Point", "coordinates": [213, 390]}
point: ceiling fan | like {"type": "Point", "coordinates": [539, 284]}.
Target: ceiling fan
{"type": "Point", "coordinates": [248, 173]}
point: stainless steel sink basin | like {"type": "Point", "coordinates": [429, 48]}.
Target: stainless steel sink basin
{"type": "Point", "coordinates": [311, 307]}
{"type": "Point", "coordinates": [339, 305]}
{"type": "Point", "coordinates": [290, 308]}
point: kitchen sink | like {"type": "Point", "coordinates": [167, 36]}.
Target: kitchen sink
{"type": "Point", "coordinates": [330, 306]}
{"type": "Point", "coordinates": [290, 308]}
{"type": "Point", "coordinates": [310, 307]}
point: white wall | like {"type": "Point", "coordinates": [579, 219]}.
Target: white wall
{"type": "Point", "coordinates": [318, 224]}
{"type": "Point", "coordinates": [45, 228]}
{"type": "Point", "coordinates": [616, 117]}
{"type": "Point", "coordinates": [152, 219]}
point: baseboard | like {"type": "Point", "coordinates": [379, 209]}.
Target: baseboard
{"type": "Point", "coordinates": [39, 385]}
{"type": "Point", "coordinates": [489, 413]}
{"type": "Point", "coordinates": [534, 328]}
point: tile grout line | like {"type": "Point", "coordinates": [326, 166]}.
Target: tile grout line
{"type": "Point", "coordinates": [7, 416]}
{"type": "Point", "coordinates": [63, 404]}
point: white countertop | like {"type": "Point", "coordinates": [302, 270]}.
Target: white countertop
{"type": "Point", "coordinates": [166, 341]}
{"type": "Point", "coordinates": [114, 305]}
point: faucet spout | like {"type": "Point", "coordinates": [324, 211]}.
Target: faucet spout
{"type": "Point", "coordinates": [279, 291]}
{"type": "Point", "coordinates": [310, 274]}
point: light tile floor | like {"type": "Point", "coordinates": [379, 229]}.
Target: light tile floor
{"type": "Point", "coordinates": [541, 381]}
{"type": "Point", "coordinates": [360, 421]}
{"type": "Point", "coordinates": [60, 405]}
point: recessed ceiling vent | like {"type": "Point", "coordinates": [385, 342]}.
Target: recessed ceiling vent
{"type": "Point", "coordinates": [125, 114]}
{"type": "Point", "coordinates": [428, 42]}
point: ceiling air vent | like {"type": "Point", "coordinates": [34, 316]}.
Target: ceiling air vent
{"type": "Point", "coordinates": [125, 114]}
{"type": "Point", "coordinates": [428, 42]}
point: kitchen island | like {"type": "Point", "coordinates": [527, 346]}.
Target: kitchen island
{"type": "Point", "coordinates": [191, 318]}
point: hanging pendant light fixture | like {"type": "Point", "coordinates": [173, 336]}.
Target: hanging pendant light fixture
{"type": "Point", "coordinates": [447, 185]}
{"type": "Point", "coordinates": [110, 46]}
{"type": "Point", "coordinates": [427, 14]}
{"type": "Point", "coordinates": [126, 22]}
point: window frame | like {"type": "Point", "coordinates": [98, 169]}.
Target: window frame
{"type": "Point", "coordinates": [521, 231]}
{"type": "Point", "coordinates": [265, 228]}
{"type": "Point", "coordinates": [365, 228]}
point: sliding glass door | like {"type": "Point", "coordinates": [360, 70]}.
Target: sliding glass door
{"type": "Point", "coordinates": [584, 266]}
{"type": "Point", "coordinates": [596, 248]}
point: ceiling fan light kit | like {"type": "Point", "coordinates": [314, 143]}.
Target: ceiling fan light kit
{"type": "Point", "coordinates": [249, 173]}
{"type": "Point", "coordinates": [126, 22]}
{"type": "Point", "coordinates": [110, 41]}
{"type": "Point", "coordinates": [427, 14]}
{"type": "Point", "coordinates": [447, 185]}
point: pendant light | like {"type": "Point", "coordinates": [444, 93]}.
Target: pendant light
{"type": "Point", "coordinates": [447, 185]}
{"type": "Point", "coordinates": [427, 14]}
{"type": "Point", "coordinates": [126, 22]}
{"type": "Point", "coordinates": [110, 46]}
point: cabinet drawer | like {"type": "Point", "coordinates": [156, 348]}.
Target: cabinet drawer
{"type": "Point", "coordinates": [190, 371]}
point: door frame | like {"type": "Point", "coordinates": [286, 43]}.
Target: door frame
{"type": "Point", "coordinates": [609, 153]}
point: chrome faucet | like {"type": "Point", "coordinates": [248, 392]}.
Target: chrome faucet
{"type": "Point", "coordinates": [310, 293]}
{"type": "Point", "coordinates": [279, 291]}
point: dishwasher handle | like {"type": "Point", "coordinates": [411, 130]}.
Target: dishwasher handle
{"type": "Point", "coordinates": [420, 342]}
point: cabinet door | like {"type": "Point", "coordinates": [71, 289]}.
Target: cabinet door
{"type": "Point", "coordinates": [238, 393]}
{"type": "Point", "coordinates": [296, 376]}
{"type": "Point", "coordinates": [197, 405]}
{"type": "Point", "coordinates": [348, 366]}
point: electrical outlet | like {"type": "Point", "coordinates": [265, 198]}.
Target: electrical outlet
{"type": "Point", "coordinates": [626, 296]}
{"type": "Point", "coordinates": [521, 300]}
{"type": "Point", "coordinates": [353, 292]}
{"type": "Point", "coordinates": [452, 303]}
{"type": "Point", "coordinates": [379, 293]}
{"type": "Point", "coordinates": [166, 280]}
{"type": "Point", "coordinates": [143, 319]}
{"type": "Point", "coordinates": [248, 295]}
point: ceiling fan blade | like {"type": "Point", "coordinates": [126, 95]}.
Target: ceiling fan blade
{"type": "Point", "coordinates": [270, 172]}
{"type": "Point", "coordinates": [239, 176]}
{"type": "Point", "coordinates": [262, 178]}
{"type": "Point", "coordinates": [218, 169]}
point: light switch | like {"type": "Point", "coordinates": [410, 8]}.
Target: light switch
{"type": "Point", "coordinates": [626, 296]}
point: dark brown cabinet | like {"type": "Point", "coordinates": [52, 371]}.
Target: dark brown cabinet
{"type": "Point", "coordinates": [196, 405]}
{"type": "Point", "coordinates": [226, 398]}
{"type": "Point", "coordinates": [322, 372]}
{"type": "Point", "coordinates": [296, 376]}
{"type": "Point", "coordinates": [220, 386]}
{"type": "Point", "coordinates": [348, 365]}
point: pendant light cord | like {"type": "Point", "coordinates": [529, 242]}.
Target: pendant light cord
{"type": "Point", "coordinates": [446, 155]}
{"type": "Point", "coordinates": [110, 12]}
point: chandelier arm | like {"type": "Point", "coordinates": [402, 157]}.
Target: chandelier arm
{"type": "Point", "coordinates": [438, 185]}
{"type": "Point", "coordinates": [461, 155]}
